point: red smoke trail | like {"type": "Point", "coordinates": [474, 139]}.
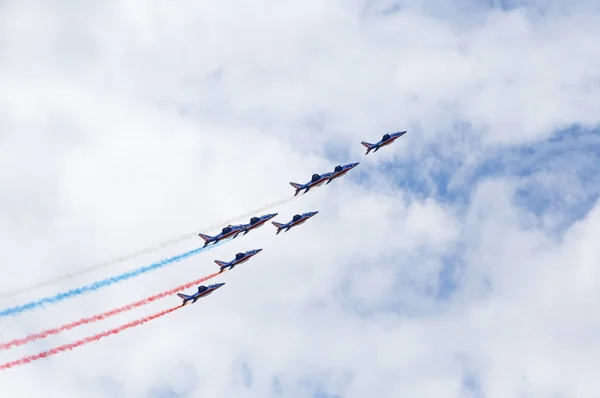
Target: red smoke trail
{"type": "Point", "coordinates": [70, 346]}
{"type": "Point", "coordinates": [99, 317]}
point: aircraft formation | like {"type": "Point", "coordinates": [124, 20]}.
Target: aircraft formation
{"type": "Point", "coordinates": [233, 231]}
{"type": "Point", "coordinates": [228, 232]}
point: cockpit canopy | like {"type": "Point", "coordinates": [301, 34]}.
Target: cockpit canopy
{"type": "Point", "coordinates": [315, 177]}
{"type": "Point", "coordinates": [338, 168]}
{"type": "Point", "coordinates": [254, 220]}
{"type": "Point", "coordinates": [226, 230]}
{"type": "Point", "coordinates": [239, 256]}
{"type": "Point", "coordinates": [296, 217]}
{"type": "Point", "coordinates": [386, 137]}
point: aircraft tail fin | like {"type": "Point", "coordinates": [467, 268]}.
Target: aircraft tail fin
{"type": "Point", "coordinates": [278, 226]}
{"type": "Point", "coordinates": [184, 297]}
{"type": "Point", "coordinates": [221, 264]}
{"type": "Point", "coordinates": [205, 237]}
{"type": "Point", "coordinates": [368, 146]}
{"type": "Point", "coordinates": [296, 186]}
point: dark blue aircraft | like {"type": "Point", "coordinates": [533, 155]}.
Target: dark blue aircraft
{"type": "Point", "coordinates": [255, 222]}
{"type": "Point", "coordinates": [296, 220]}
{"type": "Point", "coordinates": [387, 139]}
{"type": "Point", "coordinates": [203, 291]}
{"type": "Point", "coordinates": [227, 232]}
{"type": "Point", "coordinates": [339, 171]}
{"type": "Point", "coordinates": [318, 179]}
{"type": "Point", "coordinates": [239, 258]}
{"type": "Point", "coordinates": [315, 181]}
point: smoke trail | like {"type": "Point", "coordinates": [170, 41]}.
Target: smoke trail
{"type": "Point", "coordinates": [103, 283]}
{"type": "Point", "coordinates": [87, 340]}
{"type": "Point", "coordinates": [138, 253]}
{"type": "Point", "coordinates": [99, 317]}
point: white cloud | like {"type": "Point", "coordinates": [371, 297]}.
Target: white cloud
{"type": "Point", "coordinates": [125, 123]}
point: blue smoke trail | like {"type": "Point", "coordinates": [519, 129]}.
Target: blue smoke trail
{"type": "Point", "coordinates": [103, 283]}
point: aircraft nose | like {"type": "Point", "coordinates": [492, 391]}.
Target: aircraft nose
{"type": "Point", "coordinates": [354, 164]}
{"type": "Point", "coordinates": [258, 250]}
{"type": "Point", "coordinates": [314, 213]}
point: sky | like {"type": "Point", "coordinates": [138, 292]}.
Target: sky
{"type": "Point", "coordinates": [458, 262]}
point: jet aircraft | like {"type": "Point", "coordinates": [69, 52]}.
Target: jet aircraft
{"type": "Point", "coordinates": [227, 232]}
{"type": "Point", "coordinates": [255, 222]}
{"type": "Point", "coordinates": [203, 291]}
{"type": "Point", "coordinates": [296, 220]}
{"type": "Point", "coordinates": [318, 179]}
{"type": "Point", "coordinates": [387, 139]}
{"type": "Point", "coordinates": [340, 171]}
{"type": "Point", "coordinates": [239, 258]}
{"type": "Point", "coordinates": [315, 181]}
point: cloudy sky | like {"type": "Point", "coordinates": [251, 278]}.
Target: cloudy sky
{"type": "Point", "coordinates": [458, 262]}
